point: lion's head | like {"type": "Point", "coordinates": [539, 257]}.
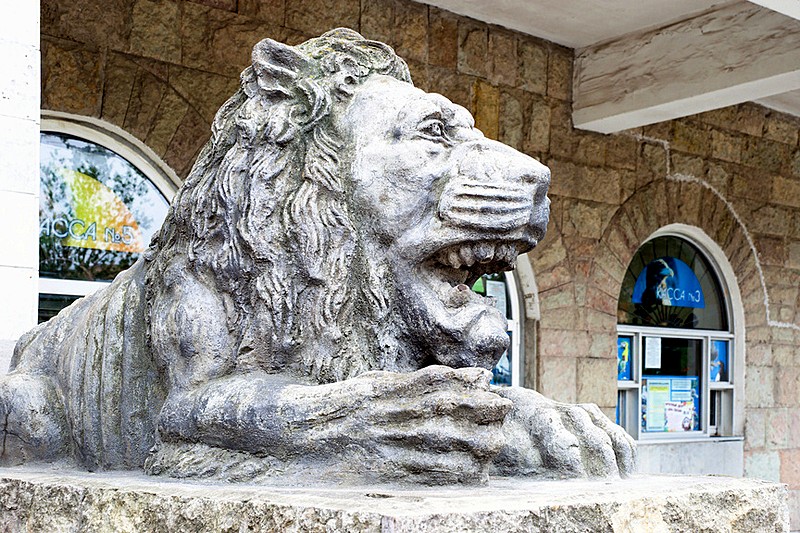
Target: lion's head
{"type": "Point", "coordinates": [342, 214]}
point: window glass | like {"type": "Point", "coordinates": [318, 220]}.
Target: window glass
{"type": "Point", "coordinates": [97, 212]}
{"type": "Point", "coordinates": [719, 363]}
{"type": "Point", "coordinates": [51, 304]}
{"type": "Point", "coordinates": [670, 284]}
{"type": "Point", "coordinates": [495, 286]}
{"type": "Point", "coordinates": [671, 390]}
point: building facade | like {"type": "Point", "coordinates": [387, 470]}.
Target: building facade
{"type": "Point", "coordinates": [723, 186]}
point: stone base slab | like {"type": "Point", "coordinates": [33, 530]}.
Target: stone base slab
{"type": "Point", "coordinates": [51, 500]}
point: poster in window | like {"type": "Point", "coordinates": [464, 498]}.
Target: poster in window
{"type": "Point", "coordinates": [668, 281]}
{"type": "Point", "coordinates": [719, 363]}
{"type": "Point", "coordinates": [624, 352]}
{"type": "Point", "coordinates": [670, 403]}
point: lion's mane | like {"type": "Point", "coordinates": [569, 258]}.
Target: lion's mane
{"type": "Point", "coordinates": [286, 240]}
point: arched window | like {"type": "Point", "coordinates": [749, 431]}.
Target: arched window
{"type": "Point", "coordinates": [503, 289]}
{"type": "Point", "coordinates": [97, 209]}
{"type": "Point", "coordinates": [675, 344]}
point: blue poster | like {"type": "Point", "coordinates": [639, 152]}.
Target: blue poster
{"type": "Point", "coordinates": [668, 281]}
{"type": "Point", "coordinates": [718, 365]}
{"type": "Point", "coordinates": [624, 351]}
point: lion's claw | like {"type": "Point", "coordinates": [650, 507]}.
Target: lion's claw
{"type": "Point", "coordinates": [544, 437]}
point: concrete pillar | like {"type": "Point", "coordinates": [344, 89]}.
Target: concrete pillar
{"type": "Point", "coordinates": [19, 172]}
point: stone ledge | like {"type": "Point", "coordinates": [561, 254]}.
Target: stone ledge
{"type": "Point", "coordinates": [50, 500]}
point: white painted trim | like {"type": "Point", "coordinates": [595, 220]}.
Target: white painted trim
{"type": "Point", "coordinates": [70, 287]}
{"type": "Point", "coordinates": [118, 140]}
{"type": "Point", "coordinates": [611, 117]}
{"type": "Point", "coordinates": [529, 291]}
{"type": "Point", "coordinates": [515, 327]}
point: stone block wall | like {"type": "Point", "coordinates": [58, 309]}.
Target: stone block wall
{"type": "Point", "coordinates": [161, 68]}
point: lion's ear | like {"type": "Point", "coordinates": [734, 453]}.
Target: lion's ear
{"type": "Point", "coordinates": [276, 67]}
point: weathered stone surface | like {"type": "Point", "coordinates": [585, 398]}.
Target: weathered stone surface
{"type": "Point", "coordinates": [271, 11]}
{"type": "Point", "coordinates": [98, 23]}
{"type": "Point", "coordinates": [503, 55]}
{"type": "Point", "coordinates": [591, 385]}
{"type": "Point", "coordinates": [538, 138]}
{"type": "Point", "coordinates": [153, 30]}
{"type": "Point", "coordinates": [44, 501]}
{"type": "Point", "coordinates": [377, 20]}
{"type": "Point", "coordinates": [487, 108]}
{"type": "Point", "coordinates": [120, 74]}
{"type": "Point", "coordinates": [442, 39]}
{"type": "Point", "coordinates": [318, 16]}
{"type": "Point", "coordinates": [169, 116]}
{"type": "Point", "coordinates": [228, 351]}
{"type": "Point", "coordinates": [219, 41]}
{"type": "Point", "coordinates": [473, 48]}
{"type": "Point", "coordinates": [191, 135]}
{"type": "Point", "coordinates": [411, 31]}
{"type": "Point", "coordinates": [71, 78]}
{"type": "Point", "coordinates": [533, 58]}
{"type": "Point", "coordinates": [204, 91]}
{"type": "Point", "coordinates": [559, 73]}
{"type": "Point", "coordinates": [511, 121]}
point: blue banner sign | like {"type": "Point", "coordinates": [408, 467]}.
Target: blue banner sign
{"type": "Point", "coordinates": [668, 281]}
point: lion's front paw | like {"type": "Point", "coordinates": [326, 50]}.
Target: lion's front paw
{"type": "Point", "coordinates": [548, 438]}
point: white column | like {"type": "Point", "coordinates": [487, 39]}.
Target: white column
{"type": "Point", "coordinates": [20, 60]}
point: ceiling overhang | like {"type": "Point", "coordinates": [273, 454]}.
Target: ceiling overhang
{"type": "Point", "coordinates": [638, 62]}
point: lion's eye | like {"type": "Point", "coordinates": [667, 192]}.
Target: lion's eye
{"type": "Point", "coordinates": [433, 128]}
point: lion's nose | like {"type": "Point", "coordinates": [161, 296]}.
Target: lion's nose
{"type": "Point", "coordinates": [496, 188]}
{"type": "Point", "coordinates": [493, 161]}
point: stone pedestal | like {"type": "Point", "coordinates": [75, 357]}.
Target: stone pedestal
{"type": "Point", "coordinates": [49, 500]}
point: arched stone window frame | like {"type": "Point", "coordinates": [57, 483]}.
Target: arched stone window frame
{"type": "Point", "coordinates": [126, 145]}
{"type": "Point", "coordinates": [732, 426]}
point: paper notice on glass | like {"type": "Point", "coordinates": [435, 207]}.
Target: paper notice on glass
{"type": "Point", "coordinates": [497, 290]}
{"type": "Point", "coordinates": [652, 352]}
{"type": "Point", "coordinates": [678, 415]}
{"type": "Point", "coordinates": [655, 404]}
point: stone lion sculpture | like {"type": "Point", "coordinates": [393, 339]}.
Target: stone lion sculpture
{"type": "Point", "coordinates": [305, 309]}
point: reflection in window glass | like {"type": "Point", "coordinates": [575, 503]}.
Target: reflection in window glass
{"type": "Point", "coordinates": [670, 284]}
{"type": "Point", "coordinates": [97, 212]}
{"type": "Point", "coordinates": [719, 363]}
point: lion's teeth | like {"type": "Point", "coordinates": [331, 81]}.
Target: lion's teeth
{"type": "Point", "coordinates": [484, 252]}
{"type": "Point", "coordinates": [507, 253]}
{"type": "Point", "coordinates": [453, 259]}
{"type": "Point", "coordinates": [467, 255]}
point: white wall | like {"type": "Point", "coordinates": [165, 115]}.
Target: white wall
{"type": "Point", "coordinates": [720, 456]}
{"type": "Point", "coordinates": [19, 171]}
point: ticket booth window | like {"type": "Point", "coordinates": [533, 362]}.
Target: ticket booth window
{"type": "Point", "coordinates": [674, 344]}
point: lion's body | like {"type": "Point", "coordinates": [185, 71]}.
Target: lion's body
{"type": "Point", "coordinates": [306, 307]}
{"type": "Point", "coordinates": [94, 354]}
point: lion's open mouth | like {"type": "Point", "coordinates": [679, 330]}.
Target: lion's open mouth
{"type": "Point", "coordinates": [472, 260]}
{"type": "Point", "coordinates": [452, 270]}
